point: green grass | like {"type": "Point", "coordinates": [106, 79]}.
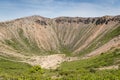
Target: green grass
{"type": "Point", "coordinates": [75, 70]}
{"type": "Point", "coordinates": [11, 70]}
{"type": "Point", "coordinates": [87, 69]}
{"type": "Point", "coordinates": [66, 51]}
{"type": "Point", "coordinates": [105, 59]}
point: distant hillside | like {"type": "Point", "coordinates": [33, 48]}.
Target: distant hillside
{"type": "Point", "coordinates": [68, 35]}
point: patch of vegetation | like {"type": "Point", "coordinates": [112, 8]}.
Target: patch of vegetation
{"type": "Point", "coordinates": [10, 70]}
{"type": "Point", "coordinates": [15, 44]}
{"type": "Point", "coordinates": [36, 69]}
{"type": "Point", "coordinates": [50, 52]}
{"type": "Point", "coordinates": [110, 35]}
{"type": "Point", "coordinates": [10, 57]}
{"type": "Point", "coordinates": [66, 51]}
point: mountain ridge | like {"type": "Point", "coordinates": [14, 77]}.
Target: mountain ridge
{"type": "Point", "coordinates": [36, 16]}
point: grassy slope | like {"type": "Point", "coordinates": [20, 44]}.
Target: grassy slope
{"type": "Point", "coordinates": [96, 44]}
{"type": "Point", "coordinates": [27, 46]}
{"type": "Point", "coordinates": [76, 70]}
{"type": "Point", "coordinates": [10, 70]}
{"type": "Point", "coordinates": [87, 69]}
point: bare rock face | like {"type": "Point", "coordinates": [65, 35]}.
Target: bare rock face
{"type": "Point", "coordinates": [69, 35]}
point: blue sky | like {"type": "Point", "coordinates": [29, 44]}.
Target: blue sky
{"type": "Point", "coordinates": [12, 9]}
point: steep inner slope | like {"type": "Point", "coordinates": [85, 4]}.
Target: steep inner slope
{"type": "Point", "coordinates": [74, 36]}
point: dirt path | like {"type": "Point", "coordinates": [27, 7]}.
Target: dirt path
{"type": "Point", "coordinates": [109, 67]}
